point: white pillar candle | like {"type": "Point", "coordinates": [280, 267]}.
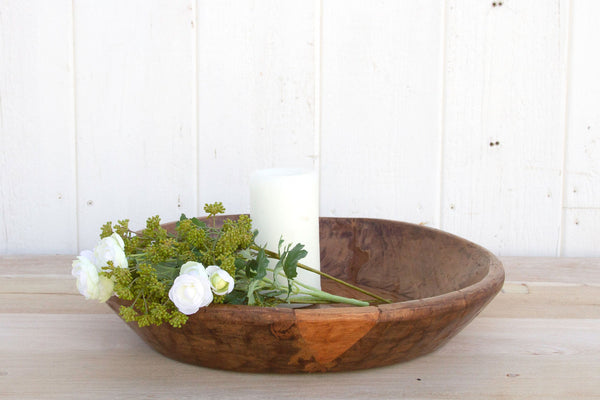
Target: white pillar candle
{"type": "Point", "coordinates": [284, 203]}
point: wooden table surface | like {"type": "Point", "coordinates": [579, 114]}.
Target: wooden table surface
{"type": "Point", "coordinates": [538, 339]}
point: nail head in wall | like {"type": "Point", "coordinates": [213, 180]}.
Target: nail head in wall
{"type": "Point", "coordinates": [90, 203]}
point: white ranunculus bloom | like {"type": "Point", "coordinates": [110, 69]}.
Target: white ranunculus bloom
{"type": "Point", "coordinates": [83, 263]}
{"type": "Point", "coordinates": [193, 268]}
{"type": "Point", "coordinates": [89, 282]}
{"type": "Point", "coordinates": [111, 248]}
{"type": "Point", "coordinates": [191, 292]}
{"type": "Point", "coordinates": [220, 280]}
{"type": "Point", "coordinates": [105, 289]}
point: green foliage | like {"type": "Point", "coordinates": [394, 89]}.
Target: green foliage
{"type": "Point", "coordinates": [122, 228]}
{"type": "Point", "coordinates": [155, 257]}
{"type": "Point", "coordinates": [177, 319]}
{"type": "Point", "coordinates": [106, 230]}
{"type": "Point", "coordinates": [290, 260]}
{"type": "Point", "coordinates": [214, 209]}
{"type": "Point", "coordinates": [122, 278]}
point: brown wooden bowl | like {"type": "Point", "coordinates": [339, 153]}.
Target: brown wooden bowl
{"type": "Point", "coordinates": [438, 282]}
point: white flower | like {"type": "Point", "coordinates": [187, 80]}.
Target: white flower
{"type": "Point", "coordinates": [87, 268]}
{"type": "Point", "coordinates": [193, 268]}
{"type": "Point", "coordinates": [89, 282]}
{"type": "Point", "coordinates": [112, 249]}
{"type": "Point", "coordinates": [190, 292]}
{"type": "Point", "coordinates": [220, 280]}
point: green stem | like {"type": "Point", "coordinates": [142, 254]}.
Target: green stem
{"type": "Point", "coordinates": [327, 298]}
{"type": "Point", "coordinates": [135, 301]}
{"type": "Point", "coordinates": [312, 294]}
{"type": "Point", "coordinates": [307, 268]}
{"type": "Point", "coordinates": [312, 291]}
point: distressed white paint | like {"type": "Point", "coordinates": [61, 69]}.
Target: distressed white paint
{"type": "Point", "coordinates": [255, 93]}
{"type": "Point", "coordinates": [125, 109]}
{"type": "Point", "coordinates": [504, 124]}
{"type": "Point", "coordinates": [582, 183]}
{"type": "Point", "coordinates": [380, 119]}
{"type": "Point", "coordinates": [135, 112]}
{"type": "Point", "coordinates": [582, 238]}
{"type": "Point", "coordinates": [37, 154]}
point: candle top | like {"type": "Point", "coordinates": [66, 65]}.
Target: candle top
{"type": "Point", "coordinates": [274, 173]}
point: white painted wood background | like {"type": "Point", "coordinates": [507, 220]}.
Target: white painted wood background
{"type": "Point", "coordinates": [481, 118]}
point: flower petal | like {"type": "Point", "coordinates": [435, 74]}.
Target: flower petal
{"type": "Point", "coordinates": [193, 268]}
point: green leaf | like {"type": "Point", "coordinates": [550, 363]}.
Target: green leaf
{"type": "Point", "coordinates": [251, 289]}
{"type": "Point", "coordinates": [198, 223]}
{"type": "Point", "coordinates": [276, 270]}
{"type": "Point", "coordinates": [182, 217]}
{"type": "Point", "coordinates": [168, 270]}
{"type": "Point", "coordinates": [236, 297]}
{"type": "Point", "coordinates": [240, 264]}
{"type": "Point", "coordinates": [251, 267]}
{"type": "Point", "coordinates": [291, 258]}
{"type": "Point", "coordinates": [262, 263]}
{"type": "Point", "coordinates": [257, 270]}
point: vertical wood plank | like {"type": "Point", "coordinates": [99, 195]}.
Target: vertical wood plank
{"type": "Point", "coordinates": [381, 93]}
{"type": "Point", "coordinates": [135, 111]}
{"type": "Point", "coordinates": [255, 93]}
{"type": "Point", "coordinates": [582, 184]}
{"type": "Point", "coordinates": [504, 124]}
{"type": "Point", "coordinates": [581, 237]}
{"type": "Point", "coordinates": [37, 147]}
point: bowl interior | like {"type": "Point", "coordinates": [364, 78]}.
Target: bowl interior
{"type": "Point", "coordinates": [397, 260]}
{"type": "Point", "coordinates": [407, 261]}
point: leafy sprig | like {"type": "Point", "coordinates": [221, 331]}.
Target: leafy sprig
{"type": "Point", "coordinates": [155, 257]}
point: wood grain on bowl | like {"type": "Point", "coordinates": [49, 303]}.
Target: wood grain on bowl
{"type": "Point", "coordinates": [438, 283]}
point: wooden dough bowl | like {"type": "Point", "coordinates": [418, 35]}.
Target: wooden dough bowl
{"type": "Point", "coordinates": [438, 283]}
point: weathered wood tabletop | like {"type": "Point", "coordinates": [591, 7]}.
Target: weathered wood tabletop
{"type": "Point", "coordinates": [539, 338]}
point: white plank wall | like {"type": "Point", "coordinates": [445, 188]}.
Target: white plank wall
{"type": "Point", "coordinates": [504, 123]}
{"type": "Point", "coordinates": [136, 131]}
{"type": "Point", "coordinates": [37, 136]}
{"type": "Point", "coordinates": [477, 117]}
{"type": "Point", "coordinates": [380, 115]}
{"type": "Point", "coordinates": [581, 221]}
{"type": "Point", "coordinates": [255, 93]}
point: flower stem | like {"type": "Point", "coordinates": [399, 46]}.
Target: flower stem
{"type": "Point", "coordinates": [314, 295]}
{"type": "Point", "coordinates": [307, 268]}
{"type": "Point", "coordinates": [313, 299]}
